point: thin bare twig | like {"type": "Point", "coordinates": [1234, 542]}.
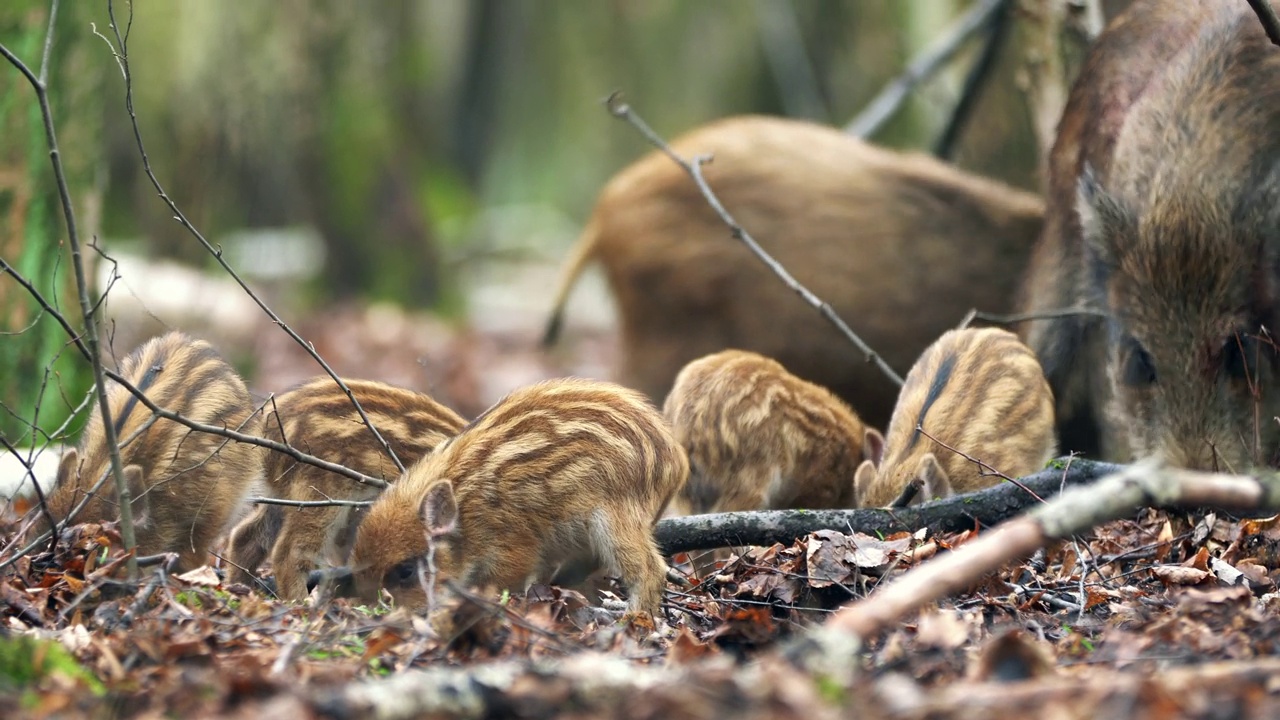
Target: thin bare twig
{"type": "Point", "coordinates": [984, 467]}
{"type": "Point", "coordinates": [1267, 15]}
{"type": "Point", "coordinates": [166, 414]}
{"type": "Point", "coordinates": [309, 503]}
{"type": "Point", "coordinates": [82, 285]}
{"type": "Point", "coordinates": [921, 68]}
{"type": "Point", "coordinates": [975, 314]}
{"type": "Point", "coordinates": [623, 111]}
{"type": "Point", "coordinates": [122, 57]}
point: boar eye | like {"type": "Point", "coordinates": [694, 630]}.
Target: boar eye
{"type": "Point", "coordinates": [405, 573]}
{"type": "Point", "coordinates": [1139, 368]}
{"type": "Point", "coordinates": [1239, 357]}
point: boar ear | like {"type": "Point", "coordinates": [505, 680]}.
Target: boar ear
{"type": "Point", "coordinates": [134, 479]}
{"type": "Point", "coordinates": [936, 484]}
{"type": "Point", "coordinates": [873, 446]}
{"type": "Point", "coordinates": [862, 480]}
{"type": "Point", "coordinates": [68, 466]}
{"type": "Point", "coordinates": [440, 509]}
{"type": "Point", "coordinates": [1102, 218]}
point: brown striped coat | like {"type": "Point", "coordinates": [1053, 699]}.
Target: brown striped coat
{"type": "Point", "coordinates": [565, 474]}
{"type": "Point", "coordinates": [979, 391]}
{"type": "Point", "coordinates": [318, 418]}
{"type": "Point", "coordinates": [187, 485]}
{"type": "Point", "coordinates": [760, 438]}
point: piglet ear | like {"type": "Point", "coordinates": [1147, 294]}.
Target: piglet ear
{"type": "Point", "coordinates": [862, 480]}
{"type": "Point", "coordinates": [934, 480]}
{"type": "Point", "coordinates": [440, 509]}
{"type": "Point", "coordinates": [873, 446]}
{"type": "Point", "coordinates": [68, 466]}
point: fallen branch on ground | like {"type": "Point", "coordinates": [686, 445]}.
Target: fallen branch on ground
{"type": "Point", "coordinates": [954, 514]}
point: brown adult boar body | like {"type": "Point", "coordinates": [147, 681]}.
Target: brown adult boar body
{"type": "Point", "coordinates": [977, 391]}
{"type": "Point", "coordinates": [318, 418]}
{"type": "Point", "coordinates": [567, 473]}
{"type": "Point", "coordinates": [760, 438]}
{"type": "Point", "coordinates": [1164, 217]}
{"type": "Point", "coordinates": [901, 246]}
{"type": "Point", "coordinates": [187, 486]}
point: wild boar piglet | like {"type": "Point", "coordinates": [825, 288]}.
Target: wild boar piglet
{"type": "Point", "coordinates": [567, 473]}
{"type": "Point", "coordinates": [760, 438]}
{"type": "Point", "coordinates": [187, 485]}
{"type": "Point", "coordinates": [979, 392]}
{"type": "Point", "coordinates": [319, 419]}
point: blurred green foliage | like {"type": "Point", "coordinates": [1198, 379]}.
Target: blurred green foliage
{"type": "Point", "coordinates": [44, 376]}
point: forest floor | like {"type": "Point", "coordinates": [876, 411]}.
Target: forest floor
{"type": "Point", "coordinates": [1164, 614]}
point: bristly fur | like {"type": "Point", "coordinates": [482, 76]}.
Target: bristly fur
{"type": "Point", "coordinates": [978, 391]}
{"type": "Point", "coordinates": [562, 472]}
{"type": "Point", "coordinates": [318, 418]}
{"type": "Point", "coordinates": [760, 438]}
{"type": "Point", "coordinates": [187, 485]}
{"type": "Point", "coordinates": [900, 242]}
{"type": "Point", "coordinates": [1164, 214]}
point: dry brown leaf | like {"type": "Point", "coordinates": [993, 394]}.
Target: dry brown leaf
{"type": "Point", "coordinates": [1179, 575]}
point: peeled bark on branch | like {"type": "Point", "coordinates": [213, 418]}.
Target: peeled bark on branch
{"type": "Point", "coordinates": [954, 514]}
{"type": "Point", "coordinates": [831, 648]}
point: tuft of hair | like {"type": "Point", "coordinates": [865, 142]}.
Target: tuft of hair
{"type": "Point", "coordinates": [187, 486]}
{"type": "Point", "coordinates": [567, 473]}
{"type": "Point", "coordinates": [977, 391]}
{"type": "Point", "coordinates": [319, 419]}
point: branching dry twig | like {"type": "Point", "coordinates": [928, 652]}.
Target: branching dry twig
{"type": "Point", "coordinates": [122, 58]}
{"type": "Point", "coordinates": [622, 111]}
{"type": "Point", "coordinates": [166, 414]}
{"type": "Point", "coordinates": [40, 85]}
{"type": "Point", "coordinates": [922, 67]}
{"type": "Point", "coordinates": [984, 468]}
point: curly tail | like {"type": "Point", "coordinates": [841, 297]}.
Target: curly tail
{"type": "Point", "coordinates": [583, 252]}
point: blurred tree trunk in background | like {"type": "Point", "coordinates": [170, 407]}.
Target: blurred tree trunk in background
{"type": "Point", "coordinates": [43, 378]}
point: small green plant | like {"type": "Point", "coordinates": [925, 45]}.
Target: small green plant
{"type": "Point", "coordinates": [26, 661]}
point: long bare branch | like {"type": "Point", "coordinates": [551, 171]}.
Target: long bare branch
{"type": "Point", "coordinates": [622, 111]}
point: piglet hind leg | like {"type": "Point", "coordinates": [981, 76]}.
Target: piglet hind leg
{"type": "Point", "coordinates": [624, 541]}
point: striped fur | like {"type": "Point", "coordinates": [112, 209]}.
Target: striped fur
{"type": "Point", "coordinates": [187, 486]}
{"type": "Point", "coordinates": [979, 391]}
{"type": "Point", "coordinates": [567, 473]}
{"type": "Point", "coordinates": [318, 418]}
{"type": "Point", "coordinates": [761, 438]}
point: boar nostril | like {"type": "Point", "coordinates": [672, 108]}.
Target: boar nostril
{"type": "Point", "coordinates": [339, 580]}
